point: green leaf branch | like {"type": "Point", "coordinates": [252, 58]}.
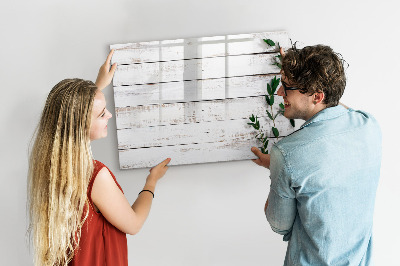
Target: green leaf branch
{"type": "Point", "coordinates": [270, 100]}
{"type": "Point", "coordinates": [278, 58]}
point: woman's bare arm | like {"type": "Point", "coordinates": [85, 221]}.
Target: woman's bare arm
{"type": "Point", "coordinates": [114, 206]}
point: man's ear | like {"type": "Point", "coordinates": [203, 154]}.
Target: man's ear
{"type": "Point", "coordinates": [318, 97]}
{"type": "Point", "coordinates": [282, 52]}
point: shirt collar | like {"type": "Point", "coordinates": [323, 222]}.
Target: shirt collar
{"type": "Point", "coordinates": [326, 114]}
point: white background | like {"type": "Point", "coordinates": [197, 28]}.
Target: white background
{"type": "Point", "coordinates": [205, 214]}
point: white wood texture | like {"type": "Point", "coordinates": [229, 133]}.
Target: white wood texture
{"type": "Point", "coordinates": [169, 50]}
{"type": "Point", "coordinates": [188, 154]}
{"type": "Point", "coordinates": [195, 69]}
{"type": "Point", "coordinates": [194, 90]}
{"type": "Point", "coordinates": [191, 112]}
{"type": "Point", "coordinates": [208, 132]}
{"type": "Point", "coordinates": [190, 99]}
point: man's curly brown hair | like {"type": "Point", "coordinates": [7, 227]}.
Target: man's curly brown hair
{"type": "Point", "coordinates": [316, 69]}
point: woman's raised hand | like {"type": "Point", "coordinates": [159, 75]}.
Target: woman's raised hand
{"type": "Point", "coordinates": [158, 171]}
{"type": "Point", "coordinates": [105, 73]}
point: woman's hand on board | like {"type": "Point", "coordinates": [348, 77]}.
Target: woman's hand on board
{"type": "Point", "coordinates": [158, 171]}
{"type": "Point", "coordinates": [106, 74]}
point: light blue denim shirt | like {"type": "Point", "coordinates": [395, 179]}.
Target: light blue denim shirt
{"type": "Point", "coordinates": [323, 183]}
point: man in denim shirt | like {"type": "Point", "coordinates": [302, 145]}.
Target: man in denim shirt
{"type": "Point", "coordinates": [323, 176]}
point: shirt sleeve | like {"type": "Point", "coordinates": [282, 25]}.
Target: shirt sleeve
{"type": "Point", "coordinates": [281, 210]}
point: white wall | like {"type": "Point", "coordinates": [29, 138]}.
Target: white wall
{"type": "Point", "coordinates": [206, 214]}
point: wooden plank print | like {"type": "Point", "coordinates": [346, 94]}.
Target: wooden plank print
{"type": "Point", "coordinates": [195, 69]}
{"type": "Point", "coordinates": [195, 133]}
{"type": "Point", "coordinates": [193, 90]}
{"type": "Point", "coordinates": [191, 112]}
{"type": "Point", "coordinates": [188, 154]}
{"type": "Point", "coordinates": [190, 99]}
{"type": "Point", "coordinates": [170, 50]}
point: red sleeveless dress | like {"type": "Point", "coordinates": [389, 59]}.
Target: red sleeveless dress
{"type": "Point", "coordinates": [101, 243]}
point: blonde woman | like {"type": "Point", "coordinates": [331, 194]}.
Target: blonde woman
{"type": "Point", "coordinates": [78, 212]}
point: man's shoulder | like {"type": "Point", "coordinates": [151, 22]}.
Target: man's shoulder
{"type": "Point", "coordinates": [367, 117]}
{"type": "Point", "coordinates": [361, 122]}
{"type": "Point", "coordinates": [350, 124]}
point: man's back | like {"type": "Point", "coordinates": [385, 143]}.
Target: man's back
{"type": "Point", "coordinates": [325, 177]}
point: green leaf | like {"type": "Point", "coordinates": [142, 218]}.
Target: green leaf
{"type": "Point", "coordinates": [275, 81]}
{"type": "Point", "coordinates": [269, 115]}
{"type": "Point", "coordinates": [266, 152]}
{"type": "Point", "coordinates": [275, 84]}
{"type": "Point", "coordinates": [262, 150]}
{"type": "Point", "coordinates": [275, 131]}
{"type": "Point", "coordinates": [292, 122]}
{"type": "Point", "coordinates": [269, 89]}
{"type": "Point", "coordinates": [256, 125]}
{"type": "Point", "coordinates": [266, 143]}
{"type": "Point", "coordinates": [271, 100]}
{"type": "Point", "coordinates": [279, 57]}
{"type": "Point", "coordinates": [269, 42]}
{"type": "Point", "coordinates": [250, 124]}
{"type": "Point", "coordinates": [268, 100]}
{"type": "Point", "coordinates": [281, 105]}
{"type": "Point", "coordinates": [252, 119]}
{"type": "Point", "coordinates": [276, 115]}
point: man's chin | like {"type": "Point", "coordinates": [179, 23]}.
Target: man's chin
{"type": "Point", "coordinates": [288, 116]}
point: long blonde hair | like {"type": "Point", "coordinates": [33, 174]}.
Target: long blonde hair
{"type": "Point", "coordinates": [60, 168]}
